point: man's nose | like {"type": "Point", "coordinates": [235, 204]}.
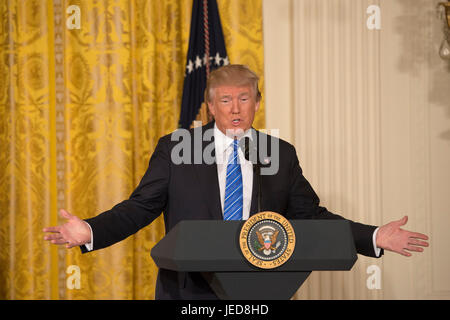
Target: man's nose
{"type": "Point", "coordinates": [235, 108]}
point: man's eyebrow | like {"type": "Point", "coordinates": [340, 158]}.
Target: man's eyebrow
{"type": "Point", "coordinates": [227, 95]}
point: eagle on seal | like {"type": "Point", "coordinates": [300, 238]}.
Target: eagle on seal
{"type": "Point", "coordinates": [267, 241]}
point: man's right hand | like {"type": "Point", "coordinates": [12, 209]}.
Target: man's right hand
{"type": "Point", "coordinates": [75, 232]}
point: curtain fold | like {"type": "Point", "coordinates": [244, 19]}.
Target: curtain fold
{"type": "Point", "coordinates": [81, 111]}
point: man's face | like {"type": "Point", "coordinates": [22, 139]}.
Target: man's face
{"type": "Point", "coordinates": [233, 108]}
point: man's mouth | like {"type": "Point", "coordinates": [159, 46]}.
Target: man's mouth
{"type": "Point", "coordinates": [236, 122]}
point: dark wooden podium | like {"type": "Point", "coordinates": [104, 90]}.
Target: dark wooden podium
{"type": "Point", "coordinates": [211, 247]}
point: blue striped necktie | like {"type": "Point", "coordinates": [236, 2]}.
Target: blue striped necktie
{"type": "Point", "coordinates": [233, 187]}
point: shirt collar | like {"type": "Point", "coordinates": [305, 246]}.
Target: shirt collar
{"type": "Point", "coordinates": [223, 142]}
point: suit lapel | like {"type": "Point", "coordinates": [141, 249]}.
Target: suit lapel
{"type": "Point", "coordinates": [208, 180]}
{"type": "Point", "coordinates": [254, 200]}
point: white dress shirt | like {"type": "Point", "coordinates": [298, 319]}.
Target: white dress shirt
{"type": "Point", "coordinates": [224, 149]}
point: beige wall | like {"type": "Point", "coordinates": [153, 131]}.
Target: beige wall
{"type": "Point", "coordinates": [369, 114]}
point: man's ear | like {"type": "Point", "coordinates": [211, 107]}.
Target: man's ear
{"type": "Point", "coordinates": [257, 105]}
{"type": "Point", "coordinates": [211, 108]}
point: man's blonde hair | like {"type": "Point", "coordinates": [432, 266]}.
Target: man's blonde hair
{"type": "Point", "coordinates": [232, 75]}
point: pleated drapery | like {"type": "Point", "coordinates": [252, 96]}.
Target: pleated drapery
{"type": "Point", "coordinates": [81, 111]}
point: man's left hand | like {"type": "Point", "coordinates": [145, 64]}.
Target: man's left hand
{"type": "Point", "coordinates": [391, 237]}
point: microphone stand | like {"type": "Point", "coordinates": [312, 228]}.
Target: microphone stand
{"type": "Point", "coordinates": [257, 172]}
{"type": "Point", "coordinates": [256, 168]}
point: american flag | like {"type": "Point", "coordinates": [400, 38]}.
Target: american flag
{"type": "Point", "coordinates": [206, 52]}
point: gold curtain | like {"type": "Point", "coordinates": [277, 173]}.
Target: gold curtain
{"type": "Point", "coordinates": [80, 113]}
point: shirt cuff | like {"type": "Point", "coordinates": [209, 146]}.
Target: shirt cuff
{"type": "Point", "coordinates": [90, 245]}
{"type": "Point", "coordinates": [374, 241]}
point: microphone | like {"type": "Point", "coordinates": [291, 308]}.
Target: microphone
{"type": "Point", "coordinates": [249, 150]}
{"type": "Point", "coordinates": [251, 153]}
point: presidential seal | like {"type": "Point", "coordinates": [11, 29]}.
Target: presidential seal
{"type": "Point", "coordinates": [267, 240]}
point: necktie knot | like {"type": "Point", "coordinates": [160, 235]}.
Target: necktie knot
{"type": "Point", "coordinates": [234, 158]}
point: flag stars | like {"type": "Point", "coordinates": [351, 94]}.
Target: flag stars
{"type": "Point", "coordinates": [190, 66]}
{"type": "Point", "coordinates": [198, 62]}
{"type": "Point", "coordinates": [201, 62]}
{"type": "Point", "coordinates": [217, 59]}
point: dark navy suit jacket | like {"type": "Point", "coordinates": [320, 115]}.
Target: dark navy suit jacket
{"type": "Point", "coordinates": [191, 192]}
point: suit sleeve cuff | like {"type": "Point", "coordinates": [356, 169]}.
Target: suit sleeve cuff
{"type": "Point", "coordinates": [90, 245]}
{"type": "Point", "coordinates": [374, 241]}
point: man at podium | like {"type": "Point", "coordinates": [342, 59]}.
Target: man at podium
{"type": "Point", "coordinates": [223, 189]}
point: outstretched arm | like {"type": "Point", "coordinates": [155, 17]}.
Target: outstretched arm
{"type": "Point", "coordinates": [145, 204]}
